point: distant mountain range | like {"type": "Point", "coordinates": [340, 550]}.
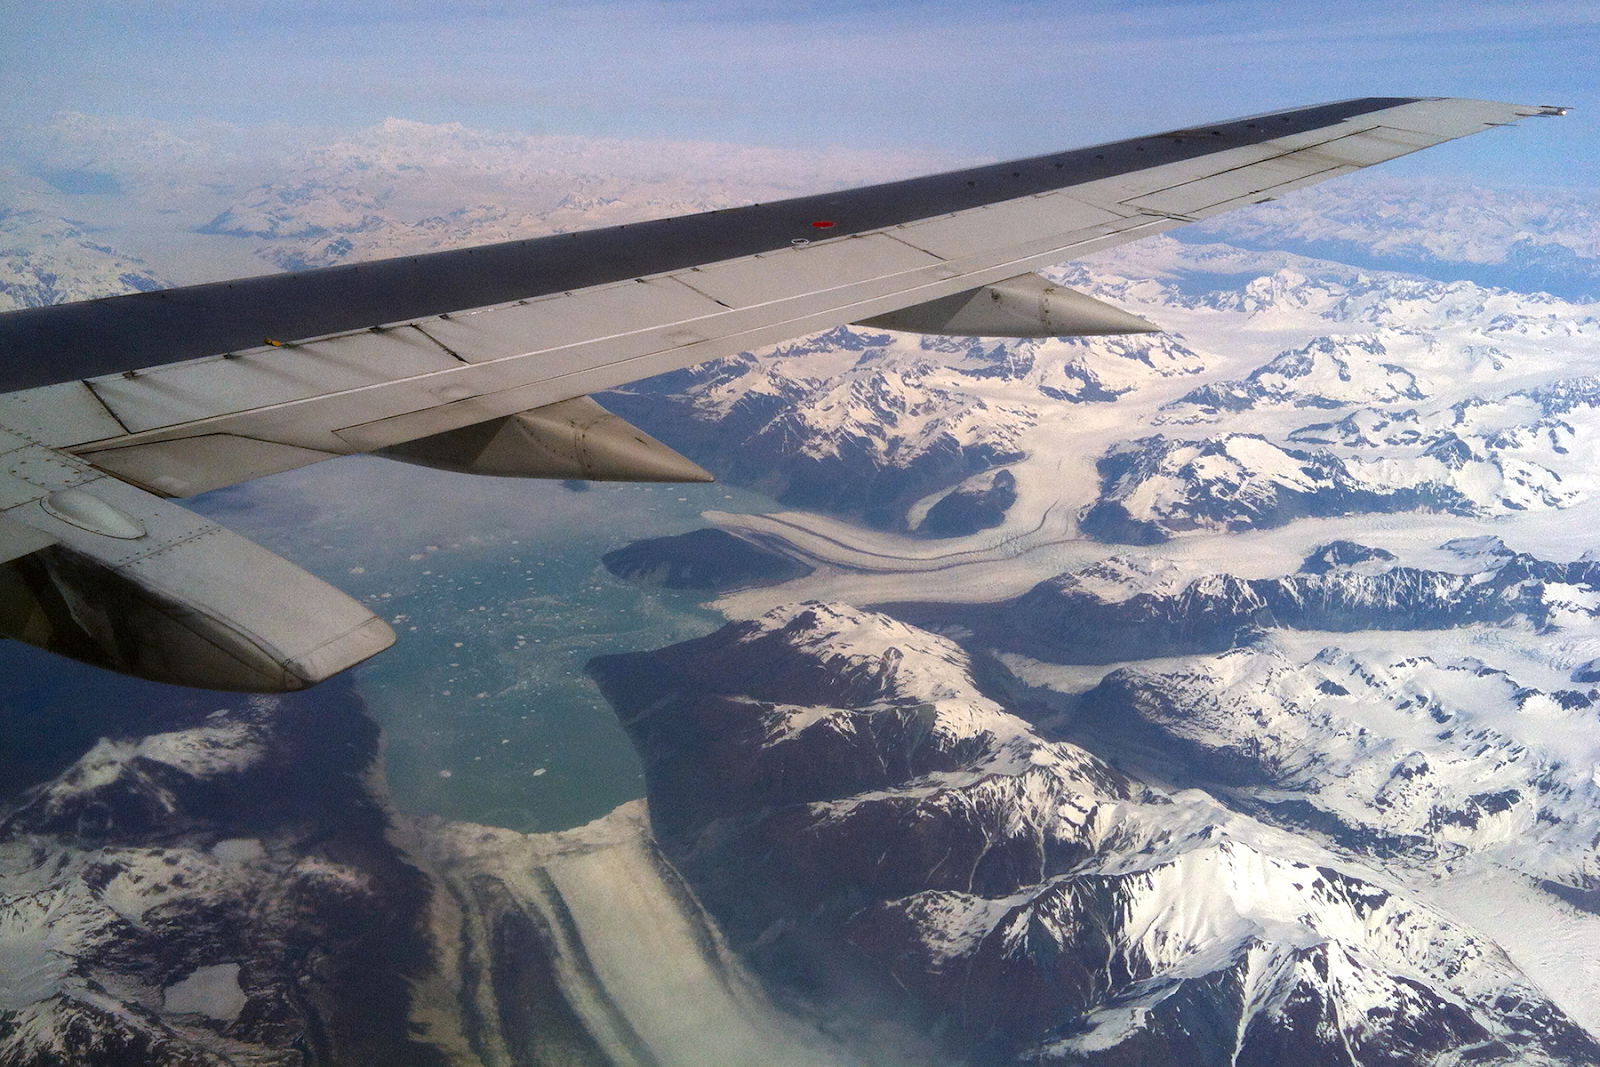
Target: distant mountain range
{"type": "Point", "coordinates": [210, 201]}
{"type": "Point", "coordinates": [46, 259]}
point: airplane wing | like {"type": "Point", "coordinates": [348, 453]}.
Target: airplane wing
{"type": "Point", "coordinates": [482, 360]}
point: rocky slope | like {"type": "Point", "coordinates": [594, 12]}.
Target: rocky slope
{"type": "Point", "coordinates": [45, 259]}
{"type": "Point", "coordinates": [877, 836]}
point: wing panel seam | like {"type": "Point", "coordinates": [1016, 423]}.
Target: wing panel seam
{"type": "Point", "coordinates": [448, 350]}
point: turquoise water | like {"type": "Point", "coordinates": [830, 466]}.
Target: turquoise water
{"type": "Point", "coordinates": [497, 594]}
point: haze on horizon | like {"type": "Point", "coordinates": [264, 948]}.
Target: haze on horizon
{"type": "Point", "coordinates": [997, 81]}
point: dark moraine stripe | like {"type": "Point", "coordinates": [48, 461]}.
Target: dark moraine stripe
{"type": "Point", "coordinates": [39, 346]}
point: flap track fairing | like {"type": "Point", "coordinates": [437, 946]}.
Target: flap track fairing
{"type": "Point", "coordinates": [575, 439]}
{"type": "Point", "coordinates": [1025, 306]}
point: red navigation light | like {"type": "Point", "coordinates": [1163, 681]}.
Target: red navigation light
{"type": "Point", "coordinates": [821, 224]}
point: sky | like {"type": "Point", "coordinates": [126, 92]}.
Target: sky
{"type": "Point", "coordinates": [993, 79]}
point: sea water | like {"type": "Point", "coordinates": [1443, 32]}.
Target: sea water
{"type": "Point", "coordinates": [496, 592]}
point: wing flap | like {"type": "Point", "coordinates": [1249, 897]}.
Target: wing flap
{"type": "Point", "coordinates": [1377, 145]}
{"type": "Point", "coordinates": [1013, 224]}
{"type": "Point", "coordinates": [1273, 177]}
{"type": "Point", "coordinates": [1447, 117]}
{"type": "Point", "coordinates": [809, 268]}
{"type": "Point", "coordinates": [1113, 191]}
{"type": "Point", "coordinates": [485, 335]}
{"type": "Point", "coordinates": [60, 415]}
{"type": "Point", "coordinates": [1269, 178]}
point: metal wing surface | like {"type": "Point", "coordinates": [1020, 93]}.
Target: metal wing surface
{"type": "Point", "coordinates": [480, 359]}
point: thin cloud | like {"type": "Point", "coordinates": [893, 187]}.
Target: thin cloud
{"type": "Point", "coordinates": [991, 80]}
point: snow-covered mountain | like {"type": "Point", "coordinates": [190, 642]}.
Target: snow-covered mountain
{"type": "Point", "coordinates": [881, 427]}
{"type": "Point", "coordinates": [1124, 608]}
{"type": "Point", "coordinates": [860, 817]}
{"type": "Point", "coordinates": [1423, 759]}
{"type": "Point", "coordinates": [866, 424]}
{"type": "Point", "coordinates": [220, 891]}
{"type": "Point", "coordinates": [1415, 756]}
{"type": "Point", "coordinates": [870, 425]}
{"type": "Point", "coordinates": [1153, 488]}
{"type": "Point", "coordinates": [47, 259]}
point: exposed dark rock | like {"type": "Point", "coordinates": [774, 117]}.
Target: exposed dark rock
{"type": "Point", "coordinates": [1450, 450]}
{"type": "Point", "coordinates": [1486, 547]}
{"type": "Point", "coordinates": [1337, 554]}
{"type": "Point", "coordinates": [1109, 521]}
{"type": "Point", "coordinates": [966, 510]}
{"type": "Point", "coordinates": [702, 559]}
{"type": "Point", "coordinates": [1586, 898]}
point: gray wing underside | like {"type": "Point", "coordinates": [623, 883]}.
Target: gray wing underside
{"type": "Point", "coordinates": [481, 359]}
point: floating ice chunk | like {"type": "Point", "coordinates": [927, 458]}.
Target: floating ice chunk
{"type": "Point", "coordinates": [212, 991]}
